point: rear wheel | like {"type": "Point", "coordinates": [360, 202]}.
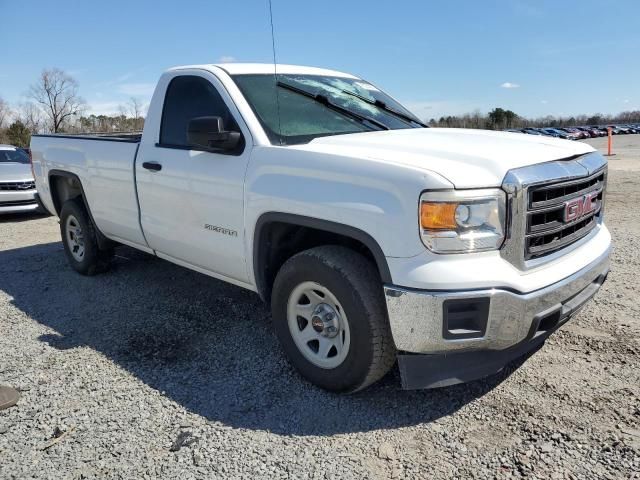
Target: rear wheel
{"type": "Point", "coordinates": [330, 317]}
{"type": "Point", "coordinates": [80, 241]}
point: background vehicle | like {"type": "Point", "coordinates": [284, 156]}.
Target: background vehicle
{"type": "Point", "coordinates": [559, 133]}
{"type": "Point", "coordinates": [579, 133]}
{"type": "Point", "coordinates": [575, 133]}
{"type": "Point", "coordinates": [590, 131]}
{"type": "Point", "coordinates": [548, 132]}
{"type": "Point", "coordinates": [605, 129]}
{"type": "Point", "coordinates": [372, 237]}
{"type": "Point", "coordinates": [17, 185]}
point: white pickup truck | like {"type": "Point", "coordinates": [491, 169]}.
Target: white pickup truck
{"type": "Point", "coordinates": [373, 238]}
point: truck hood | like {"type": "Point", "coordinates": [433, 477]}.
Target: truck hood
{"type": "Point", "coordinates": [15, 172]}
{"type": "Point", "coordinates": [467, 158]}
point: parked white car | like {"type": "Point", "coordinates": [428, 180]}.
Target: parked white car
{"type": "Point", "coordinates": [17, 185]}
{"type": "Point", "coordinates": [373, 238]}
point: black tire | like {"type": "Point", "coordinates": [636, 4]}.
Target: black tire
{"type": "Point", "coordinates": [355, 282]}
{"type": "Point", "coordinates": [94, 259]}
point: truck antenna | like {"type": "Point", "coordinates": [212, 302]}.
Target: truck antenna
{"type": "Point", "coordinates": [275, 73]}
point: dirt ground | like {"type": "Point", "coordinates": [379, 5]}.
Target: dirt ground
{"type": "Point", "coordinates": [155, 371]}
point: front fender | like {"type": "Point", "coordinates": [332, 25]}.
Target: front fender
{"type": "Point", "coordinates": [373, 197]}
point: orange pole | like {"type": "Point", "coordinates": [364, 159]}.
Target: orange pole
{"type": "Point", "coordinates": [609, 141]}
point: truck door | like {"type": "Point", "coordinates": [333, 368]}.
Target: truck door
{"type": "Point", "coordinates": [191, 200]}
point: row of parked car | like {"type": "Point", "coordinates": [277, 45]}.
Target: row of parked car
{"type": "Point", "coordinates": [577, 133]}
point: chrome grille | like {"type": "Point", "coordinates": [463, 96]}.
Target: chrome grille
{"type": "Point", "coordinates": [534, 235]}
{"type": "Point", "coordinates": [547, 229]}
{"type": "Point", "coordinates": [17, 186]}
{"type": "Point", "coordinates": [18, 203]}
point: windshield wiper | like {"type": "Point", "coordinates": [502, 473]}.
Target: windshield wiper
{"type": "Point", "coordinates": [383, 106]}
{"type": "Point", "coordinates": [318, 97]}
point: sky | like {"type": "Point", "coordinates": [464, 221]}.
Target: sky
{"type": "Point", "coordinates": [438, 58]}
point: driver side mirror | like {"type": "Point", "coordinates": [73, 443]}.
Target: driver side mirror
{"type": "Point", "coordinates": [209, 133]}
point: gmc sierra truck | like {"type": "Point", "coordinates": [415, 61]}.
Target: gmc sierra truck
{"type": "Point", "coordinates": [373, 238]}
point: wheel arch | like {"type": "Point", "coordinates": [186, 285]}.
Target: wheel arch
{"type": "Point", "coordinates": [297, 233]}
{"type": "Point", "coordinates": [65, 186]}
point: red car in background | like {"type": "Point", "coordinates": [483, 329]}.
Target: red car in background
{"type": "Point", "coordinates": [592, 132]}
{"type": "Point", "coordinates": [575, 133]}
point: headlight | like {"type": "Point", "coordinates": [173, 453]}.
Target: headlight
{"type": "Point", "coordinates": [458, 221]}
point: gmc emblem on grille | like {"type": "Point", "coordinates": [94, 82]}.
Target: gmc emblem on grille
{"type": "Point", "coordinates": [580, 206]}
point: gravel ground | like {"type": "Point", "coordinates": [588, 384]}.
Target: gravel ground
{"type": "Point", "coordinates": [155, 371]}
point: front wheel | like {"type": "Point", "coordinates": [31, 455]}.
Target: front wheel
{"type": "Point", "coordinates": [330, 317]}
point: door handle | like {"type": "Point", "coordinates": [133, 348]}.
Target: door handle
{"type": "Point", "coordinates": [153, 166]}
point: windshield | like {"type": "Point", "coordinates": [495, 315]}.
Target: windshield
{"type": "Point", "coordinates": [13, 156]}
{"type": "Point", "coordinates": [302, 117]}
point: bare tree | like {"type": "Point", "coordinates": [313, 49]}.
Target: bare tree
{"type": "Point", "coordinates": [57, 94]}
{"type": "Point", "coordinates": [5, 113]}
{"type": "Point", "coordinates": [131, 116]}
{"type": "Point", "coordinates": [136, 109]}
{"type": "Point", "coordinates": [31, 116]}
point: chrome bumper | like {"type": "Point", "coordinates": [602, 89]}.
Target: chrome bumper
{"type": "Point", "coordinates": [417, 317]}
{"type": "Point", "coordinates": [18, 201]}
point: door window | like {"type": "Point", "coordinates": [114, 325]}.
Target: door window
{"type": "Point", "coordinates": [189, 97]}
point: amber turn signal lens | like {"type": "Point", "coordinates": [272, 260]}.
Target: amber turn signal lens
{"type": "Point", "coordinates": [438, 216]}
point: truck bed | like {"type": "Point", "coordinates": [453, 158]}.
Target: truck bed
{"type": "Point", "coordinates": [105, 167]}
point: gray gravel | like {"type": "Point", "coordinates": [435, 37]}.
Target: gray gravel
{"type": "Point", "coordinates": [155, 371]}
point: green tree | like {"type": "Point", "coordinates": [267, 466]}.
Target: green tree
{"type": "Point", "coordinates": [18, 134]}
{"type": "Point", "coordinates": [596, 119]}
{"type": "Point", "coordinates": [496, 117]}
{"type": "Point", "coordinates": [509, 118]}
{"type": "Point", "coordinates": [500, 118]}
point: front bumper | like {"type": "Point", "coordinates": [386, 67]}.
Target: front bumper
{"type": "Point", "coordinates": [18, 201]}
{"type": "Point", "coordinates": [417, 317]}
{"type": "Point", "coordinates": [512, 325]}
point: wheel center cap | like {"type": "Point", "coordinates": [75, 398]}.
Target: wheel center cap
{"type": "Point", "coordinates": [317, 324]}
{"type": "Point", "coordinates": [325, 320]}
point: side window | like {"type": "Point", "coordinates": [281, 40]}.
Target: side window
{"type": "Point", "coordinates": [189, 97]}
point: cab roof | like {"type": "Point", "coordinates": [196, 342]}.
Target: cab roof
{"type": "Point", "coordinates": [267, 68]}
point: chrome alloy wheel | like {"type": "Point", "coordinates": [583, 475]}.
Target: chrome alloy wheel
{"type": "Point", "coordinates": [318, 325]}
{"type": "Point", "coordinates": [74, 238]}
